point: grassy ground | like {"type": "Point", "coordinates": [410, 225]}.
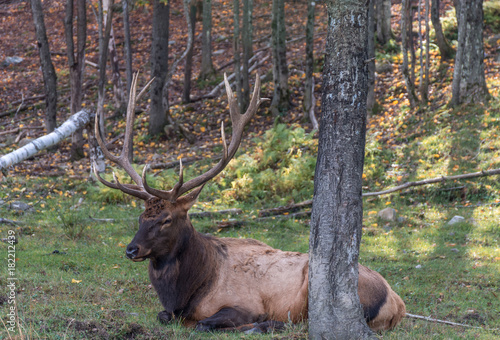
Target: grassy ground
{"type": "Point", "coordinates": [74, 281]}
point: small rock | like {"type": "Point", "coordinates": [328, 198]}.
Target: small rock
{"type": "Point", "coordinates": [11, 61]}
{"type": "Point", "coordinates": [2, 202]}
{"type": "Point", "coordinates": [218, 52]}
{"type": "Point", "coordinates": [418, 266]}
{"type": "Point", "coordinates": [19, 206]}
{"type": "Point", "coordinates": [451, 233]}
{"type": "Point", "coordinates": [401, 219]}
{"type": "Point", "coordinates": [456, 219]}
{"type": "Point", "coordinates": [171, 42]}
{"type": "Point", "coordinates": [387, 214]}
{"type": "Point", "coordinates": [455, 250]}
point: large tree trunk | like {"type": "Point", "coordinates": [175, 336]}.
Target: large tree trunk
{"type": "Point", "coordinates": [334, 308]}
{"type": "Point", "coordinates": [207, 68]}
{"type": "Point", "coordinates": [445, 49]}
{"type": "Point", "coordinates": [76, 66]}
{"type": "Point", "coordinates": [49, 73]}
{"type": "Point", "coordinates": [159, 66]}
{"type": "Point", "coordinates": [469, 83]}
{"type": "Point", "coordinates": [384, 32]}
{"type": "Point", "coordinates": [281, 94]}
{"type": "Point", "coordinates": [188, 68]}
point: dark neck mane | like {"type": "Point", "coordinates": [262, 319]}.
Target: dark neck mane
{"type": "Point", "coordinates": [185, 275]}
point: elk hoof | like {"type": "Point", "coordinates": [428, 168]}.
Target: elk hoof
{"type": "Point", "coordinates": [164, 317]}
{"type": "Point", "coordinates": [202, 327]}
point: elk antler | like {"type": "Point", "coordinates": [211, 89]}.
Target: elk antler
{"type": "Point", "coordinates": [136, 190]}
{"type": "Point", "coordinates": [142, 189]}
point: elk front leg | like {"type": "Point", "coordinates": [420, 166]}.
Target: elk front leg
{"type": "Point", "coordinates": [228, 317]}
{"type": "Point", "coordinates": [238, 319]}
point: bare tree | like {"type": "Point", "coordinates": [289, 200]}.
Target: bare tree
{"type": "Point", "coordinates": [188, 68]}
{"type": "Point", "coordinates": [370, 101]}
{"type": "Point", "coordinates": [246, 43]}
{"type": "Point", "coordinates": [334, 307]}
{"type": "Point", "coordinates": [236, 50]}
{"type": "Point", "coordinates": [383, 12]}
{"type": "Point", "coordinates": [127, 45]}
{"type": "Point", "coordinates": [159, 66]}
{"type": "Point", "coordinates": [445, 49]}
{"type": "Point", "coordinates": [309, 101]}
{"type": "Point", "coordinates": [281, 94]}
{"type": "Point", "coordinates": [76, 66]}
{"type": "Point", "coordinates": [405, 36]}
{"type": "Point", "coordinates": [469, 83]}
{"type": "Point", "coordinates": [207, 67]}
{"type": "Point", "coordinates": [48, 71]}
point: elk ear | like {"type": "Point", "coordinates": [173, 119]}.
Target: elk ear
{"type": "Point", "coordinates": [188, 200]}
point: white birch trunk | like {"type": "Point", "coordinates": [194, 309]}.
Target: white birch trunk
{"type": "Point", "coordinates": [75, 122]}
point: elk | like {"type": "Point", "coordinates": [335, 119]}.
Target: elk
{"type": "Point", "coordinates": [225, 283]}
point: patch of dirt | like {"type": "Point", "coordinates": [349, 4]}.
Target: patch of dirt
{"type": "Point", "coordinates": [473, 316]}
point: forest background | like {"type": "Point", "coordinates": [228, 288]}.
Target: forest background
{"type": "Point", "coordinates": [73, 278]}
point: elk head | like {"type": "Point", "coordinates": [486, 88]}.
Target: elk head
{"type": "Point", "coordinates": [164, 226]}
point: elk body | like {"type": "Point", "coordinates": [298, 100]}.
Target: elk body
{"type": "Point", "coordinates": [226, 283]}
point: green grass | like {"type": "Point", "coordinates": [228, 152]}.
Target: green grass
{"type": "Point", "coordinates": [88, 289]}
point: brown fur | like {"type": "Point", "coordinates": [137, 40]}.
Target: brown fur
{"type": "Point", "coordinates": [226, 282]}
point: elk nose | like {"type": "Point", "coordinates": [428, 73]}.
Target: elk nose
{"type": "Point", "coordinates": [132, 251]}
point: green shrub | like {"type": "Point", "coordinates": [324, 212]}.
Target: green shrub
{"type": "Point", "coordinates": [492, 14]}
{"type": "Point", "coordinates": [280, 169]}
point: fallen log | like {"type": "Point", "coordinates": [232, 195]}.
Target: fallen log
{"type": "Point", "coordinates": [285, 209]}
{"type": "Point", "coordinates": [204, 214]}
{"type": "Point", "coordinates": [308, 203]}
{"type": "Point", "coordinates": [75, 122]}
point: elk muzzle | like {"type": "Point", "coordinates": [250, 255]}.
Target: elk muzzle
{"type": "Point", "coordinates": [133, 252]}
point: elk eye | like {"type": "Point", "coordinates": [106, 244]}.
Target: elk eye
{"type": "Point", "coordinates": [168, 220]}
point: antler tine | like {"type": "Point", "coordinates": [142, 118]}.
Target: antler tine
{"type": "Point", "coordinates": [137, 189]}
{"type": "Point", "coordinates": [134, 190]}
{"type": "Point", "coordinates": [223, 137]}
{"type": "Point", "coordinates": [239, 122]}
{"type": "Point", "coordinates": [170, 195]}
{"type": "Point", "coordinates": [130, 189]}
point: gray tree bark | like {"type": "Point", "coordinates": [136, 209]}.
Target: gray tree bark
{"type": "Point", "coordinates": [309, 90]}
{"type": "Point", "coordinates": [48, 71]}
{"type": "Point", "coordinates": [207, 67]}
{"type": "Point", "coordinates": [334, 307]}
{"type": "Point", "coordinates": [76, 66]}
{"type": "Point", "coordinates": [469, 83]}
{"type": "Point", "coordinates": [445, 49]}
{"type": "Point", "coordinates": [159, 67]}
{"type": "Point", "coordinates": [281, 96]}
{"type": "Point", "coordinates": [384, 31]}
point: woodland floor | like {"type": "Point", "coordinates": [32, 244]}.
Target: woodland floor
{"type": "Point", "coordinates": [74, 281]}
